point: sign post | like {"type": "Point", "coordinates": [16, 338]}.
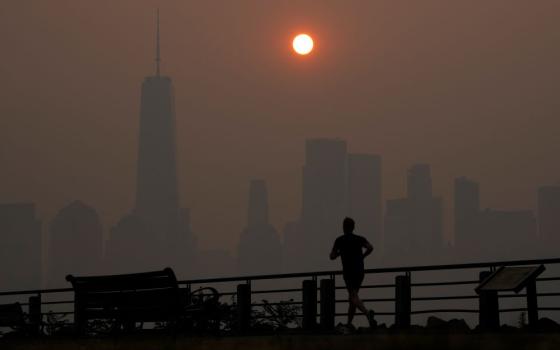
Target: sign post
{"type": "Point", "coordinates": [510, 279]}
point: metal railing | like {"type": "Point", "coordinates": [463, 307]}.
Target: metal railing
{"type": "Point", "coordinates": [406, 299]}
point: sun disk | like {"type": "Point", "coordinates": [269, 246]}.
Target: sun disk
{"type": "Point", "coordinates": [303, 44]}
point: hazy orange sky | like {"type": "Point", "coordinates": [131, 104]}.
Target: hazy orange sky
{"type": "Point", "coordinates": [469, 87]}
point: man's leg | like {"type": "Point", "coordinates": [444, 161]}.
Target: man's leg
{"type": "Point", "coordinates": [358, 302]}
{"type": "Point", "coordinates": [353, 303]}
{"type": "Point", "coordinates": [351, 306]}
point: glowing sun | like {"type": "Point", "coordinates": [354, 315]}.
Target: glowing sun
{"type": "Point", "coordinates": [303, 44]}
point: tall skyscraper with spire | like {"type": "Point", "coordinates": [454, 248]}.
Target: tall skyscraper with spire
{"type": "Point", "coordinates": [157, 231]}
{"type": "Point", "coordinates": [157, 198]}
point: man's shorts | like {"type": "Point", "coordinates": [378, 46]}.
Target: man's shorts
{"type": "Point", "coordinates": [353, 279]}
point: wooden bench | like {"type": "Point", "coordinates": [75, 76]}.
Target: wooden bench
{"type": "Point", "coordinates": [11, 316]}
{"type": "Point", "coordinates": [125, 300]}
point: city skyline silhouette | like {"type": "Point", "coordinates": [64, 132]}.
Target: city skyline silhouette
{"type": "Point", "coordinates": [238, 120]}
{"type": "Point", "coordinates": [278, 174]}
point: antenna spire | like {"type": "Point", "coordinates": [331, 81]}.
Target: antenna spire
{"type": "Point", "coordinates": [158, 57]}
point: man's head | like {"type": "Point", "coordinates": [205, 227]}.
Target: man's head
{"type": "Point", "coordinates": [348, 226]}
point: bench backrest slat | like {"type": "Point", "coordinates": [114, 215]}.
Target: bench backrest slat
{"type": "Point", "coordinates": [164, 279]}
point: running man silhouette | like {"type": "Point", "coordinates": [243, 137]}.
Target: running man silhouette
{"type": "Point", "coordinates": [350, 248]}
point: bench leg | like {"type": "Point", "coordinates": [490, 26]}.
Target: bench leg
{"type": "Point", "coordinates": [35, 315]}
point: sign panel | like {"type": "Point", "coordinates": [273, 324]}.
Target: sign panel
{"type": "Point", "coordinates": [510, 278]}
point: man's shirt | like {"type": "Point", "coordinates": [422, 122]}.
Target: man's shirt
{"type": "Point", "coordinates": [350, 247]}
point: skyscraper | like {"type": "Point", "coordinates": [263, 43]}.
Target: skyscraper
{"type": "Point", "coordinates": [419, 183]}
{"type": "Point", "coordinates": [425, 213]}
{"type": "Point", "coordinates": [365, 198]}
{"type": "Point", "coordinates": [549, 217]}
{"type": "Point", "coordinates": [397, 242]}
{"type": "Point", "coordinates": [324, 205]}
{"type": "Point", "coordinates": [165, 237]}
{"type": "Point", "coordinates": [20, 247]}
{"type": "Point", "coordinates": [157, 198]}
{"type": "Point", "coordinates": [259, 250]}
{"type": "Point", "coordinates": [466, 213]}
{"type": "Point", "coordinates": [324, 196]}
{"type": "Point", "coordinates": [324, 181]}
{"type": "Point", "coordinates": [414, 224]}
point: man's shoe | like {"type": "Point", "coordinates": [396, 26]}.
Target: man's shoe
{"type": "Point", "coordinates": [371, 319]}
{"type": "Point", "coordinates": [345, 328]}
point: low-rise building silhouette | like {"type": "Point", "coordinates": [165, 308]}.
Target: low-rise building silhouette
{"type": "Point", "coordinates": [548, 217]}
{"type": "Point", "coordinates": [20, 247]}
{"type": "Point", "coordinates": [507, 234]}
{"type": "Point", "coordinates": [76, 243]}
{"type": "Point", "coordinates": [132, 247]}
{"type": "Point", "coordinates": [214, 263]}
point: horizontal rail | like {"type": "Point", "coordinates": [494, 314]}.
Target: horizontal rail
{"type": "Point", "coordinates": [57, 302]}
{"type": "Point", "coordinates": [338, 314]}
{"type": "Point", "coordinates": [265, 317]}
{"type": "Point", "coordinates": [37, 291]}
{"type": "Point", "coordinates": [435, 311]}
{"type": "Point", "coordinates": [338, 272]}
{"type": "Point", "coordinates": [435, 284]}
{"type": "Point", "coordinates": [268, 291]}
{"type": "Point", "coordinates": [279, 303]}
{"type": "Point", "coordinates": [518, 309]}
{"type": "Point", "coordinates": [58, 313]}
{"type": "Point", "coordinates": [416, 312]}
{"type": "Point", "coordinates": [377, 270]}
{"type": "Point", "coordinates": [378, 300]}
{"type": "Point", "coordinates": [452, 297]}
{"type": "Point", "coordinates": [548, 279]}
{"type": "Point", "coordinates": [427, 281]}
{"type": "Point", "coordinates": [372, 286]}
{"type": "Point", "coordinates": [548, 294]}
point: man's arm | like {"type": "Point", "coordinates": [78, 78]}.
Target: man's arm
{"type": "Point", "coordinates": [368, 246]}
{"type": "Point", "coordinates": [335, 252]}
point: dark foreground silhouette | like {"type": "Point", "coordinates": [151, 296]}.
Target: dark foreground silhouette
{"type": "Point", "coordinates": [350, 247]}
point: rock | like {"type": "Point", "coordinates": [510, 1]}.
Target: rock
{"type": "Point", "coordinates": [547, 325]}
{"type": "Point", "coordinates": [458, 325]}
{"type": "Point", "coordinates": [344, 329]}
{"type": "Point", "coordinates": [453, 325]}
{"type": "Point", "coordinates": [435, 323]}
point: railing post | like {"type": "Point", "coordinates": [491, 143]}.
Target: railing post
{"type": "Point", "coordinates": [402, 301]}
{"type": "Point", "coordinates": [532, 306]}
{"type": "Point", "coordinates": [244, 306]}
{"type": "Point", "coordinates": [328, 303]}
{"type": "Point", "coordinates": [488, 306]}
{"type": "Point", "coordinates": [188, 291]}
{"type": "Point", "coordinates": [35, 314]}
{"type": "Point", "coordinates": [309, 298]}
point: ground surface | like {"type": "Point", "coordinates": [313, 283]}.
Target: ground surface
{"type": "Point", "coordinates": [431, 341]}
